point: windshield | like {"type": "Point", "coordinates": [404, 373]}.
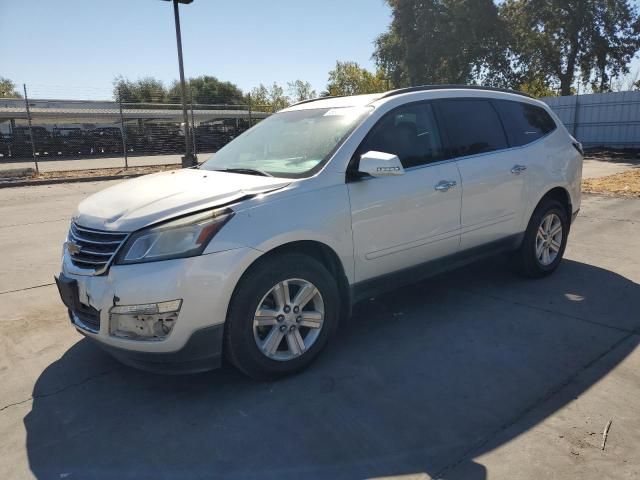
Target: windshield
{"type": "Point", "coordinates": [289, 144]}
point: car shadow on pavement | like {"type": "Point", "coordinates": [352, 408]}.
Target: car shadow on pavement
{"type": "Point", "coordinates": [419, 380]}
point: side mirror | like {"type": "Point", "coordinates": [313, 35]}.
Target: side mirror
{"type": "Point", "coordinates": [379, 164]}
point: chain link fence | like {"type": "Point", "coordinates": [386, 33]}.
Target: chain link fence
{"type": "Point", "coordinates": [46, 130]}
{"type": "Point", "coordinates": [111, 133]}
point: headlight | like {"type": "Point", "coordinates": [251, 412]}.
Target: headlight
{"type": "Point", "coordinates": [185, 237]}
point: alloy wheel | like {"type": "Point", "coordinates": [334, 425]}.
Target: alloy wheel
{"type": "Point", "coordinates": [549, 239]}
{"type": "Point", "coordinates": [289, 319]}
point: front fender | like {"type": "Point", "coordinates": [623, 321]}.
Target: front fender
{"type": "Point", "coordinates": [322, 215]}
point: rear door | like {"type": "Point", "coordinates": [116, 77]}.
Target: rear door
{"type": "Point", "coordinates": [492, 176]}
{"type": "Point", "coordinates": [399, 222]}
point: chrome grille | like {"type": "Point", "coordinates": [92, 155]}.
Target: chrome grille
{"type": "Point", "coordinates": [93, 249]}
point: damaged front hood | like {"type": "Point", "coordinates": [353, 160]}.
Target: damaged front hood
{"type": "Point", "coordinates": [142, 201]}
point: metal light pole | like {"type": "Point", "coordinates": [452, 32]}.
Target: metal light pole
{"type": "Point", "coordinates": [123, 132]}
{"type": "Point", "coordinates": [33, 142]}
{"type": "Point", "coordinates": [189, 159]}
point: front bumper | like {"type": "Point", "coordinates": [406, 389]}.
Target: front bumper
{"type": "Point", "coordinates": [205, 284]}
{"type": "Point", "coordinates": [202, 352]}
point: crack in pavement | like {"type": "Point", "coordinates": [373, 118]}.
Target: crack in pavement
{"type": "Point", "coordinates": [623, 220]}
{"type": "Point", "coordinates": [27, 288]}
{"type": "Point", "coordinates": [62, 389]}
{"type": "Point", "coordinates": [548, 396]}
{"type": "Point", "coordinates": [33, 223]}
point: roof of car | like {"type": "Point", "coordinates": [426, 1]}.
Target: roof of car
{"type": "Point", "coordinates": [335, 102]}
{"type": "Point", "coordinates": [362, 100]}
{"type": "Point", "coordinates": [422, 88]}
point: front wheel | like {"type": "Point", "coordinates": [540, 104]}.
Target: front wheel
{"type": "Point", "coordinates": [281, 316]}
{"type": "Point", "coordinates": [545, 240]}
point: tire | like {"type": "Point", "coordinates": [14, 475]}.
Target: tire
{"type": "Point", "coordinates": [527, 260]}
{"type": "Point", "coordinates": [248, 342]}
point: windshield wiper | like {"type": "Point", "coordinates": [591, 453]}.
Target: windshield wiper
{"type": "Point", "coordinates": [246, 171]}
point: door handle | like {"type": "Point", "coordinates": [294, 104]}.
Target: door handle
{"type": "Point", "coordinates": [518, 169]}
{"type": "Point", "coordinates": [445, 185]}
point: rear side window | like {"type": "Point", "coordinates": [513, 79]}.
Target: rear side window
{"type": "Point", "coordinates": [524, 123]}
{"type": "Point", "coordinates": [410, 132]}
{"type": "Point", "coordinates": [473, 126]}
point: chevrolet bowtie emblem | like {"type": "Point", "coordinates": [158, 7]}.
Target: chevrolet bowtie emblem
{"type": "Point", "coordinates": [73, 248]}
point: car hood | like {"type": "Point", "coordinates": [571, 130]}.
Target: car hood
{"type": "Point", "coordinates": [142, 201]}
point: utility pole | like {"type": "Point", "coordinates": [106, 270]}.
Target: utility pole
{"type": "Point", "coordinates": [123, 132]}
{"type": "Point", "coordinates": [189, 159]}
{"type": "Point", "coordinates": [33, 142]}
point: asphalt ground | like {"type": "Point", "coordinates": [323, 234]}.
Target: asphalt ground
{"type": "Point", "coordinates": [473, 374]}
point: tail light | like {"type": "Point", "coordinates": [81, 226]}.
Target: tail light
{"type": "Point", "coordinates": [578, 146]}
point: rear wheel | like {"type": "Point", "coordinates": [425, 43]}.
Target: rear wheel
{"type": "Point", "coordinates": [544, 241]}
{"type": "Point", "coordinates": [281, 316]}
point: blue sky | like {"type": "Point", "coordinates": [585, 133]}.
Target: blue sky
{"type": "Point", "coordinates": [74, 48]}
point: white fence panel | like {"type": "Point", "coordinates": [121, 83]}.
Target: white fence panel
{"type": "Point", "coordinates": [610, 120]}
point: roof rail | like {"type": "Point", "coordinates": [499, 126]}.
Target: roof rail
{"type": "Point", "coordinates": [316, 99]}
{"type": "Point", "coordinates": [421, 88]}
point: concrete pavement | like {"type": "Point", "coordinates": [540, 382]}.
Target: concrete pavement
{"type": "Point", "coordinates": [473, 374]}
{"type": "Point", "coordinates": [597, 168]}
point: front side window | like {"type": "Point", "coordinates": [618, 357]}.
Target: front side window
{"type": "Point", "coordinates": [524, 122]}
{"type": "Point", "coordinates": [473, 126]}
{"type": "Point", "coordinates": [410, 132]}
{"type": "Point", "coordinates": [290, 144]}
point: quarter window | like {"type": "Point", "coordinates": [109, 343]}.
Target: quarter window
{"type": "Point", "coordinates": [473, 126]}
{"type": "Point", "coordinates": [410, 132]}
{"type": "Point", "coordinates": [524, 122]}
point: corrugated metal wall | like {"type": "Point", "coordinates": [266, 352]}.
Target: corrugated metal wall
{"type": "Point", "coordinates": [602, 119]}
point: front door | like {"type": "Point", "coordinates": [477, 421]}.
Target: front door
{"type": "Point", "coordinates": [400, 222]}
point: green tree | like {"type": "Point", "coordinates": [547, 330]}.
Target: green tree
{"type": "Point", "coordinates": [556, 39]}
{"type": "Point", "coordinates": [615, 37]}
{"type": "Point", "coordinates": [349, 78]}
{"type": "Point", "coordinates": [8, 89]}
{"type": "Point", "coordinates": [270, 99]}
{"type": "Point", "coordinates": [144, 90]}
{"type": "Point", "coordinates": [258, 98]}
{"type": "Point", "coordinates": [300, 91]}
{"type": "Point", "coordinates": [537, 87]}
{"type": "Point", "coordinates": [442, 41]}
{"type": "Point", "coordinates": [277, 99]}
{"type": "Point", "coordinates": [207, 89]}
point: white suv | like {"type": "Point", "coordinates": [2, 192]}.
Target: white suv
{"type": "Point", "coordinates": [256, 254]}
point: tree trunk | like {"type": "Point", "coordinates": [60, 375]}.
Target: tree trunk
{"type": "Point", "coordinates": [565, 84]}
{"type": "Point", "coordinates": [604, 81]}
{"type": "Point", "coordinates": [566, 79]}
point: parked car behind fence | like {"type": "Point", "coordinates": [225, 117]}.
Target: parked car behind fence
{"type": "Point", "coordinates": [72, 128]}
{"type": "Point", "coordinates": [106, 140]}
